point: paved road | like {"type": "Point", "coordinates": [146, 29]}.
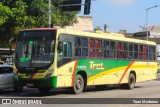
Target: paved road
{"type": "Point", "coordinates": [148, 89]}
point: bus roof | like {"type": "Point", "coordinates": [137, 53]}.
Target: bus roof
{"type": "Point", "coordinates": [110, 36]}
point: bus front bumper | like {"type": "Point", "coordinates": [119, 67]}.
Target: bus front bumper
{"type": "Point", "coordinates": [35, 83]}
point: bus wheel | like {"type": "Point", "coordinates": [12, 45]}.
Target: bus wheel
{"type": "Point", "coordinates": [131, 82]}
{"type": "Point", "coordinates": [78, 84]}
{"type": "Point", "coordinates": [101, 87]}
{"type": "Point", "coordinates": [44, 90]}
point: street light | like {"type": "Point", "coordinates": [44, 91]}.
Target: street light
{"type": "Point", "coordinates": [147, 18]}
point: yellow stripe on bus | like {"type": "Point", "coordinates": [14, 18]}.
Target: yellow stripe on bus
{"type": "Point", "coordinates": [117, 70]}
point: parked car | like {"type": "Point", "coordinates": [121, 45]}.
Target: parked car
{"type": "Point", "coordinates": [1, 62]}
{"type": "Point", "coordinates": [6, 78]}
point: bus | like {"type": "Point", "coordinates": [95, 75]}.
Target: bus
{"type": "Point", "coordinates": [47, 58]}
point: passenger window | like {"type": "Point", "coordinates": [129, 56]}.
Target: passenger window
{"type": "Point", "coordinates": [119, 51]}
{"type": "Point", "coordinates": [152, 53]}
{"type": "Point", "coordinates": [92, 50]}
{"type": "Point", "coordinates": [112, 53]}
{"type": "Point", "coordinates": [141, 52]}
{"type": "Point", "coordinates": [124, 50]}
{"type": "Point", "coordinates": [145, 52]}
{"type": "Point", "coordinates": [131, 52]}
{"type": "Point", "coordinates": [136, 51]}
{"type": "Point", "coordinates": [95, 48]}
{"type": "Point", "coordinates": [81, 47]}
{"type": "Point", "coordinates": [106, 49]}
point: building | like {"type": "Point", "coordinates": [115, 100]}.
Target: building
{"type": "Point", "coordinates": [84, 24]}
{"type": "Point", "coordinates": [153, 34]}
{"type": "Point", "coordinates": [125, 33]}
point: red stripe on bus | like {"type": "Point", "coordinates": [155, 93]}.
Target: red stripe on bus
{"type": "Point", "coordinates": [74, 71]}
{"type": "Point", "coordinates": [126, 71]}
{"type": "Point", "coordinates": [33, 75]}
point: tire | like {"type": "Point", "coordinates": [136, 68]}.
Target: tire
{"type": "Point", "coordinates": [44, 90]}
{"type": "Point", "coordinates": [78, 86]}
{"type": "Point", "coordinates": [18, 88]}
{"type": "Point", "coordinates": [131, 82]}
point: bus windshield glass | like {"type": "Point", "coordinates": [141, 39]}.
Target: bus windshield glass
{"type": "Point", "coordinates": [35, 49]}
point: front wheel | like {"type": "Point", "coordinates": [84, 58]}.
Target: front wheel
{"type": "Point", "coordinates": [131, 82]}
{"type": "Point", "coordinates": [78, 84]}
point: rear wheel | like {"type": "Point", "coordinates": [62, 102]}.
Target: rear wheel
{"type": "Point", "coordinates": [78, 84]}
{"type": "Point", "coordinates": [131, 82]}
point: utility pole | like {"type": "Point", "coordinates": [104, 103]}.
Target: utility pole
{"type": "Point", "coordinates": [49, 13]}
{"type": "Point", "coordinates": [147, 19]}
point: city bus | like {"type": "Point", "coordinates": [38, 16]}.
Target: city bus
{"type": "Point", "coordinates": [47, 58]}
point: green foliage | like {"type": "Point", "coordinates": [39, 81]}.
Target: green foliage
{"type": "Point", "coordinates": [5, 13]}
{"type": "Point", "coordinates": [20, 14]}
{"type": "Point", "coordinates": [98, 28]}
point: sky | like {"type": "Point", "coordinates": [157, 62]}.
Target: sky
{"type": "Point", "coordinates": [124, 14]}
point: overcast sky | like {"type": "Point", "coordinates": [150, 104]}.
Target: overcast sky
{"type": "Point", "coordinates": [124, 14]}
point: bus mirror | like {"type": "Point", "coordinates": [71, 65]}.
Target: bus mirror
{"type": "Point", "coordinates": [60, 46]}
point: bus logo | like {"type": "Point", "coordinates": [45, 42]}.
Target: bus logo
{"type": "Point", "coordinates": [97, 66]}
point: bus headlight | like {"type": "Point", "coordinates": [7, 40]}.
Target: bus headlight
{"type": "Point", "coordinates": [50, 72]}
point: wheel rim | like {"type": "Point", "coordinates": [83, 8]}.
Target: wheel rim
{"type": "Point", "coordinates": [132, 82]}
{"type": "Point", "coordinates": [78, 84]}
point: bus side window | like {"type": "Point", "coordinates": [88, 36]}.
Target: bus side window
{"type": "Point", "coordinates": [81, 47]}
{"type": "Point", "coordinates": [106, 49]}
{"type": "Point", "coordinates": [141, 52]}
{"type": "Point", "coordinates": [112, 50]}
{"type": "Point", "coordinates": [130, 51]}
{"type": "Point", "coordinates": [92, 48]}
{"type": "Point", "coordinates": [145, 52]}
{"type": "Point", "coordinates": [119, 55]}
{"type": "Point", "coordinates": [84, 46]}
{"type": "Point", "coordinates": [67, 49]}
{"type": "Point", "coordinates": [98, 46]}
{"type": "Point", "coordinates": [64, 53]}
{"type": "Point", "coordinates": [124, 50]}
{"type": "Point", "coordinates": [152, 53]}
{"type": "Point", "coordinates": [135, 51]}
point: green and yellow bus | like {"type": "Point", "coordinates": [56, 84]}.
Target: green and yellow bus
{"type": "Point", "coordinates": [47, 58]}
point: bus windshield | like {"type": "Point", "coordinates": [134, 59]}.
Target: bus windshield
{"type": "Point", "coordinates": [35, 49]}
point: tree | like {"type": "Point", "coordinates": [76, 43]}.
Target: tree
{"type": "Point", "coordinates": [98, 28]}
{"type": "Point", "coordinates": [21, 14]}
{"type": "Point", "coordinates": [5, 13]}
